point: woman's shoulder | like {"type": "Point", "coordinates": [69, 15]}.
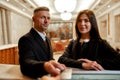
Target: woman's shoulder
{"type": "Point", "coordinates": [99, 41]}
{"type": "Point", "coordinates": [103, 41]}
{"type": "Point", "coordinates": [73, 40]}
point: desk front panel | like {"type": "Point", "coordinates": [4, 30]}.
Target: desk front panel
{"type": "Point", "coordinates": [95, 75]}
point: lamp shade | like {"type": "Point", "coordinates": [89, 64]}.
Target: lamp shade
{"type": "Point", "coordinates": [65, 5]}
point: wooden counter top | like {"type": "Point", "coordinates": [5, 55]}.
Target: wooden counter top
{"type": "Point", "coordinates": [7, 46]}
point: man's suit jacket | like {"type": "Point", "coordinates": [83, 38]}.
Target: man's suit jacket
{"type": "Point", "coordinates": [33, 53]}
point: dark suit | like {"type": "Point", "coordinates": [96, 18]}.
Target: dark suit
{"type": "Point", "coordinates": [33, 53]}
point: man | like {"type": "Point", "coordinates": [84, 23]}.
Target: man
{"type": "Point", "coordinates": [35, 52]}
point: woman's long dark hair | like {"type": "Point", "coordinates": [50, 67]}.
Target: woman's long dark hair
{"type": "Point", "coordinates": [94, 33]}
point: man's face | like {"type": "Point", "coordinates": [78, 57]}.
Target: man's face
{"type": "Point", "coordinates": [41, 20]}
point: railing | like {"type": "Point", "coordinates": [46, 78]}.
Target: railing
{"type": "Point", "coordinates": [9, 54]}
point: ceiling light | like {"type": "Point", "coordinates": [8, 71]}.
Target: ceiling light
{"type": "Point", "coordinates": [65, 5]}
{"type": "Point", "coordinates": [66, 16]}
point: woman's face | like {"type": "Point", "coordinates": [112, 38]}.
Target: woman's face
{"type": "Point", "coordinates": [84, 24]}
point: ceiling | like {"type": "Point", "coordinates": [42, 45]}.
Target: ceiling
{"type": "Point", "coordinates": [26, 7]}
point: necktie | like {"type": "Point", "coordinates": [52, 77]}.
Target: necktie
{"type": "Point", "coordinates": [46, 44]}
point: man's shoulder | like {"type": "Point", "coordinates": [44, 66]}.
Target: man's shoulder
{"type": "Point", "coordinates": [26, 36]}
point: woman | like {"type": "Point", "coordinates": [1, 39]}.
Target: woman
{"type": "Point", "coordinates": [89, 50]}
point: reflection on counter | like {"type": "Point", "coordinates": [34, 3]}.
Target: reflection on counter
{"type": "Point", "coordinates": [11, 72]}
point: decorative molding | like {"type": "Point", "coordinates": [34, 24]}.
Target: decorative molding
{"type": "Point", "coordinates": [15, 9]}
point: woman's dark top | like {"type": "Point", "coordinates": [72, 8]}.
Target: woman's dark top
{"type": "Point", "coordinates": [95, 50]}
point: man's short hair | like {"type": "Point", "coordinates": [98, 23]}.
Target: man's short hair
{"type": "Point", "coordinates": [43, 8]}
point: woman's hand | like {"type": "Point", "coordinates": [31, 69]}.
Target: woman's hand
{"type": "Point", "coordinates": [88, 64]}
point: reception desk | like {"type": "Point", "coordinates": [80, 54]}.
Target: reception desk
{"type": "Point", "coordinates": [12, 72]}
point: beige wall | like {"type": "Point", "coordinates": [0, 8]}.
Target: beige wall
{"type": "Point", "coordinates": [12, 26]}
{"type": "Point", "coordinates": [20, 25]}
{"type": "Point", "coordinates": [111, 32]}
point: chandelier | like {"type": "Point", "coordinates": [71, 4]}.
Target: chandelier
{"type": "Point", "coordinates": [66, 16]}
{"type": "Point", "coordinates": [65, 7]}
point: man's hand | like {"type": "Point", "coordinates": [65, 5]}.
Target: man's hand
{"type": "Point", "coordinates": [53, 67]}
